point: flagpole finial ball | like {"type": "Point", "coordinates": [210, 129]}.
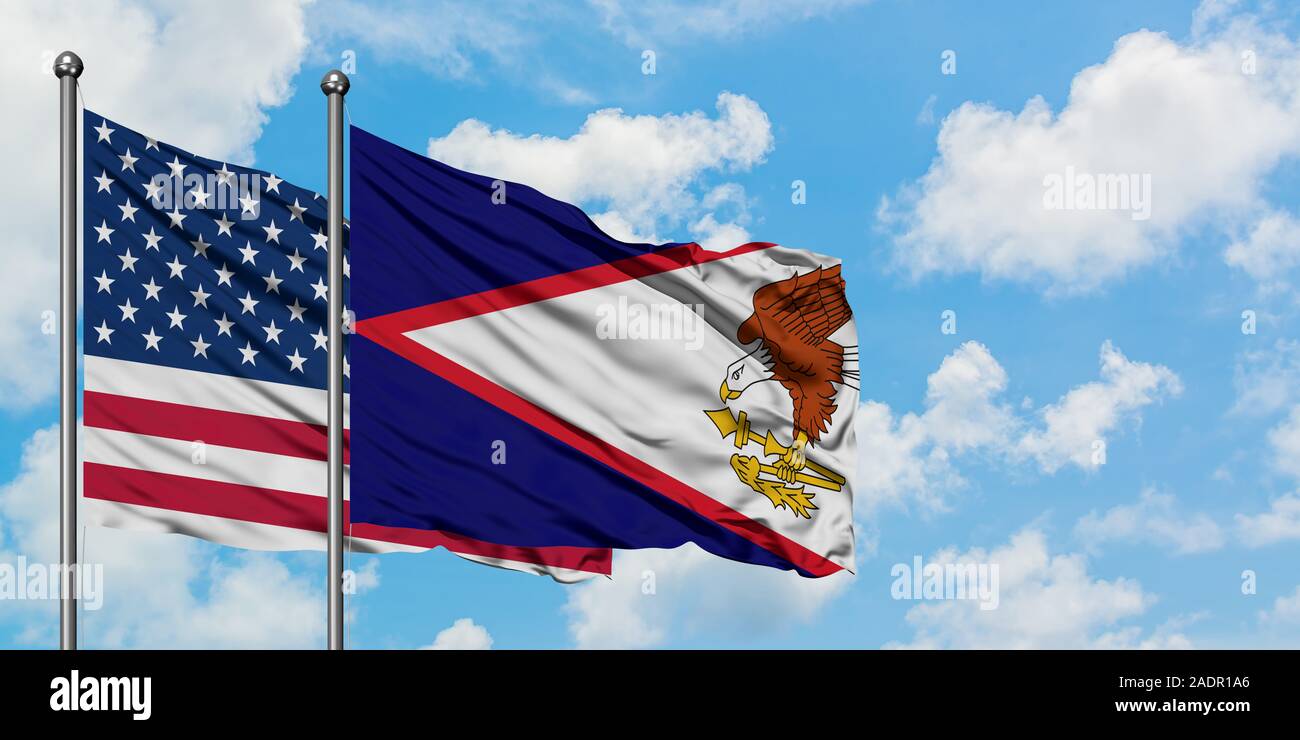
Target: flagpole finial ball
{"type": "Point", "coordinates": [333, 82]}
{"type": "Point", "coordinates": [68, 64]}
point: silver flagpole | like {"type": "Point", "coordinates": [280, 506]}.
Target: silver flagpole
{"type": "Point", "coordinates": [67, 67]}
{"type": "Point", "coordinates": [335, 85]}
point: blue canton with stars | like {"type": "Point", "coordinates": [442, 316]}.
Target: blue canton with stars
{"type": "Point", "coordinates": [230, 279]}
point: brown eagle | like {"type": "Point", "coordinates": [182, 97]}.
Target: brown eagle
{"type": "Point", "coordinates": [792, 320]}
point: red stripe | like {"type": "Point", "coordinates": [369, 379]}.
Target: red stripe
{"type": "Point", "coordinates": [304, 512]}
{"type": "Point", "coordinates": [581, 440]}
{"type": "Point", "coordinates": [222, 428]}
{"type": "Point", "coordinates": [553, 286]}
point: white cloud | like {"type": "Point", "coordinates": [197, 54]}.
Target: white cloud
{"type": "Point", "coordinates": [1045, 601]}
{"type": "Point", "coordinates": [1207, 133]}
{"type": "Point", "coordinates": [1284, 439]}
{"type": "Point", "coordinates": [688, 592]}
{"type": "Point", "coordinates": [670, 21]}
{"type": "Point", "coordinates": [925, 117]}
{"type": "Point", "coordinates": [1285, 611]}
{"type": "Point", "coordinates": [1267, 381]}
{"type": "Point", "coordinates": [1279, 524]}
{"type": "Point", "coordinates": [899, 463]}
{"type": "Point", "coordinates": [642, 169]}
{"type": "Point", "coordinates": [447, 37]}
{"type": "Point", "coordinates": [463, 634]}
{"type": "Point", "coordinates": [1269, 250]}
{"type": "Point", "coordinates": [1090, 412]}
{"type": "Point", "coordinates": [462, 40]}
{"type": "Point", "coordinates": [254, 601]}
{"type": "Point", "coordinates": [159, 590]}
{"type": "Point", "coordinates": [200, 75]}
{"type": "Point", "coordinates": [910, 458]}
{"type": "Point", "coordinates": [1155, 519]}
{"type": "Point", "coordinates": [960, 408]}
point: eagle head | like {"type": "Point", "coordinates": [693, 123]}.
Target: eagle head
{"type": "Point", "coordinates": [741, 374]}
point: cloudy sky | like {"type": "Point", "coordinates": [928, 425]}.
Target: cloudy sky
{"type": "Point", "coordinates": [1110, 412]}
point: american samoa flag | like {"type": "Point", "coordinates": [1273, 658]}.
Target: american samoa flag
{"type": "Point", "coordinates": [205, 359]}
{"type": "Point", "coordinates": [523, 377]}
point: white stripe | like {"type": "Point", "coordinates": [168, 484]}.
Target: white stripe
{"type": "Point", "coordinates": [220, 464]}
{"type": "Point", "coordinates": [209, 390]}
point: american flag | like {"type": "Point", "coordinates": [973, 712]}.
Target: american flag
{"type": "Point", "coordinates": [205, 295]}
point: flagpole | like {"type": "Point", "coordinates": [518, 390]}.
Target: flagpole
{"type": "Point", "coordinates": [68, 67]}
{"type": "Point", "coordinates": [335, 85]}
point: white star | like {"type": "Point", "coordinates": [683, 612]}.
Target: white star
{"type": "Point", "coordinates": [104, 281]}
{"type": "Point", "coordinates": [128, 262]}
{"type": "Point", "coordinates": [153, 191]}
{"type": "Point", "coordinates": [347, 369]}
{"type": "Point", "coordinates": [347, 267]}
{"type": "Point", "coordinates": [322, 240]}
{"type": "Point", "coordinates": [223, 325]}
{"type": "Point", "coordinates": [176, 217]}
{"type": "Point", "coordinates": [224, 175]}
{"type": "Point", "coordinates": [320, 339]}
{"type": "Point", "coordinates": [295, 262]}
{"type": "Point", "coordinates": [105, 133]}
{"type": "Point", "coordinates": [175, 267]}
{"type": "Point", "coordinates": [273, 283]}
{"type": "Point", "coordinates": [296, 311]}
{"type": "Point", "coordinates": [223, 225]}
{"type": "Point", "coordinates": [177, 318]}
{"type": "Point", "coordinates": [128, 211]}
{"type": "Point", "coordinates": [104, 332]}
{"type": "Point", "coordinates": [200, 297]}
{"type": "Point", "coordinates": [296, 211]}
{"type": "Point", "coordinates": [128, 311]}
{"type": "Point", "coordinates": [152, 340]}
{"type": "Point", "coordinates": [151, 290]}
{"type": "Point", "coordinates": [320, 289]}
{"type": "Point", "coordinates": [200, 347]}
{"type": "Point", "coordinates": [250, 305]}
{"type": "Point", "coordinates": [128, 162]}
{"type": "Point", "coordinates": [200, 247]}
{"type": "Point", "coordinates": [151, 239]}
{"type": "Point", "coordinates": [224, 275]}
{"type": "Point", "coordinates": [248, 205]}
{"type": "Point", "coordinates": [178, 169]}
{"type": "Point", "coordinates": [105, 233]}
{"type": "Point", "coordinates": [105, 182]}
{"type": "Point", "coordinates": [151, 143]}
{"type": "Point", "coordinates": [250, 254]}
{"type": "Point", "coordinates": [272, 233]}
{"type": "Point", "coordinates": [296, 361]}
{"type": "Point", "coordinates": [249, 353]}
{"type": "Point", "coordinates": [273, 184]}
{"type": "Point", "coordinates": [272, 333]}
{"type": "Point", "coordinates": [200, 198]}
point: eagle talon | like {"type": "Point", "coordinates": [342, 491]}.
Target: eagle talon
{"type": "Point", "coordinates": [794, 459]}
{"type": "Point", "coordinates": [784, 472]}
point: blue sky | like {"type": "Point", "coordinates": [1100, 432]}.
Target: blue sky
{"type": "Point", "coordinates": [975, 444]}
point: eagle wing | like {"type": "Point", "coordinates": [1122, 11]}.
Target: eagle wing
{"type": "Point", "coordinates": [806, 308]}
{"type": "Point", "coordinates": [813, 307]}
{"type": "Point", "coordinates": [794, 317]}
